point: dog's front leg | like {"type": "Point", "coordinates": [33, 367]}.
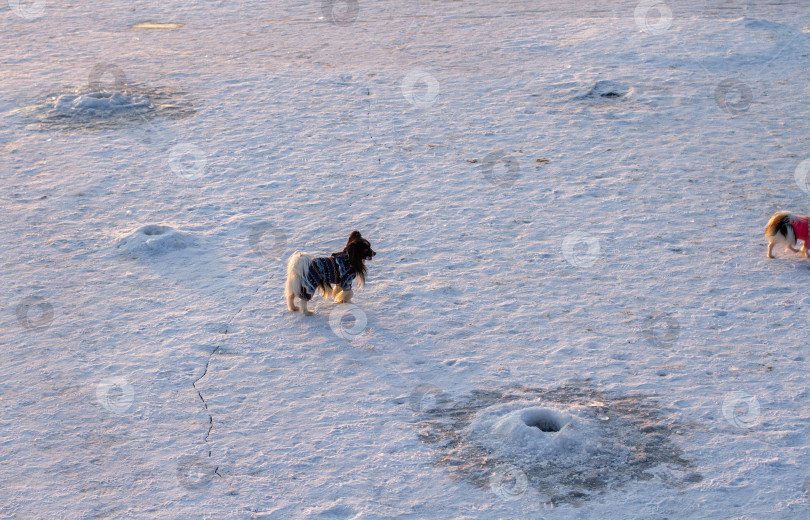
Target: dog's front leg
{"type": "Point", "coordinates": [793, 248]}
{"type": "Point", "coordinates": [804, 251]}
{"type": "Point", "coordinates": [304, 310]}
{"type": "Point", "coordinates": [770, 249]}
{"type": "Point", "coordinates": [345, 296]}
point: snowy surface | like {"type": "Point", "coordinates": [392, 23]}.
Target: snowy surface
{"type": "Point", "coordinates": [567, 200]}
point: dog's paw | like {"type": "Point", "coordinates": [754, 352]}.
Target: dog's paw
{"type": "Point", "coordinates": [344, 296]}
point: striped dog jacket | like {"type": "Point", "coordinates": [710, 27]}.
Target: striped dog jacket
{"type": "Point", "coordinates": [335, 270]}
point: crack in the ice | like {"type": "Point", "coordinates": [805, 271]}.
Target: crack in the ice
{"type": "Point", "coordinates": [194, 384]}
{"type": "Point", "coordinates": [205, 372]}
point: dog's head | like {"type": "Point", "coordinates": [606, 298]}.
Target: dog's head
{"type": "Point", "coordinates": [359, 250]}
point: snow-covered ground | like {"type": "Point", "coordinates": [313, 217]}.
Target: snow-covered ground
{"type": "Point", "coordinates": [570, 314]}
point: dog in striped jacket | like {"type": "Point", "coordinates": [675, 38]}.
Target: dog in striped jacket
{"type": "Point", "coordinates": [785, 228]}
{"type": "Point", "coordinates": [306, 274]}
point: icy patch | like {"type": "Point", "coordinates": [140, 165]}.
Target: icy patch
{"type": "Point", "coordinates": [157, 25]}
{"type": "Point", "coordinates": [569, 444]}
{"type": "Point", "coordinates": [88, 109]}
{"type": "Point", "coordinates": [97, 104]}
{"type": "Point", "coordinates": [154, 239]}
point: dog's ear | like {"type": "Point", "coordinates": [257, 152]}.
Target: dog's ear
{"type": "Point", "coordinates": [354, 237]}
{"type": "Point", "coordinates": [355, 251]}
{"type": "Point", "coordinates": [353, 248]}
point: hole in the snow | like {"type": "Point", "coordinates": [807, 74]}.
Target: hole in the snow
{"type": "Point", "coordinates": [607, 90]}
{"type": "Point", "coordinates": [154, 230]}
{"type": "Point", "coordinates": [543, 420]}
{"type": "Point", "coordinates": [153, 239]}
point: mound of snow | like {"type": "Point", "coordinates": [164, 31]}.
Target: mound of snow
{"type": "Point", "coordinates": [83, 109]}
{"type": "Point", "coordinates": [607, 90]}
{"type": "Point", "coordinates": [527, 431]}
{"type": "Point", "coordinates": [568, 443]}
{"type": "Point", "coordinates": [154, 239]}
{"type": "Point", "coordinates": [97, 104]}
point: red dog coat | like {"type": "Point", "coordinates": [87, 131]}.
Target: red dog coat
{"type": "Point", "coordinates": [800, 228]}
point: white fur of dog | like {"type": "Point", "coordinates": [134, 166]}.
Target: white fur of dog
{"type": "Point", "coordinates": [780, 232]}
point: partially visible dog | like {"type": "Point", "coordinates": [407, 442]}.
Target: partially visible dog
{"type": "Point", "coordinates": [785, 228]}
{"type": "Point", "coordinates": [306, 274]}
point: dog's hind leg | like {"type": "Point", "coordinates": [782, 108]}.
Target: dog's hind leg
{"type": "Point", "coordinates": [770, 249]}
{"type": "Point", "coordinates": [304, 310]}
{"type": "Point", "coordinates": [291, 302]}
{"type": "Point", "coordinates": [804, 251]}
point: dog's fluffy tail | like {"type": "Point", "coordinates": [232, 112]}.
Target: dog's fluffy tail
{"type": "Point", "coordinates": [297, 269]}
{"type": "Point", "coordinates": [780, 225]}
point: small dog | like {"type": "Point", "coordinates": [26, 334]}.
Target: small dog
{"type": "Point", "coordinates": [785, 228]}
{"type": "Point", "coordinates": [306, 274]}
